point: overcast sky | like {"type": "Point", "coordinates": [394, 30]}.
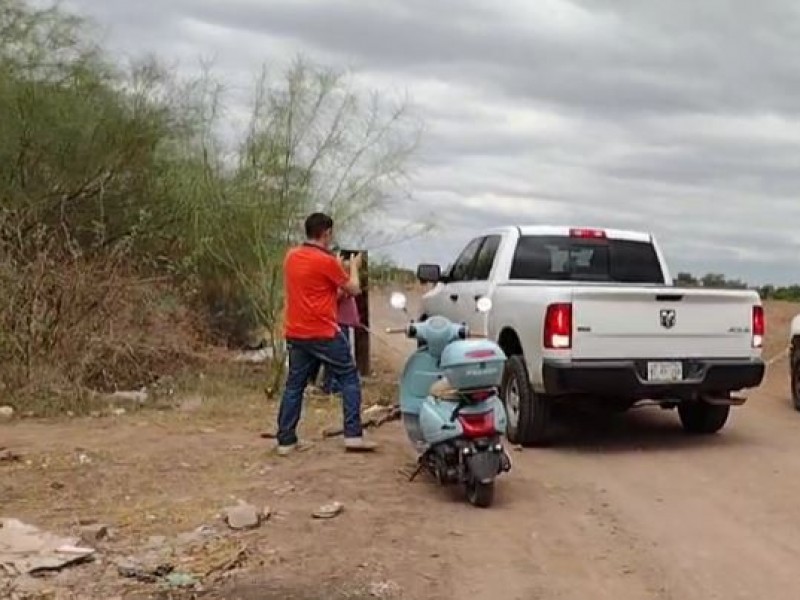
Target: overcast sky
{"type": "Point", "coordinates": [677, 116]}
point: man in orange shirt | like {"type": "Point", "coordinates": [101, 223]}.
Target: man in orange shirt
{"type": "Point", "coordinates": [313, 277]}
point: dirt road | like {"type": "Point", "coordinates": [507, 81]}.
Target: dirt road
{"type": "Point", "coordinates": [635, 509]}
{"type": "Point", "coordinates": [629, 510]}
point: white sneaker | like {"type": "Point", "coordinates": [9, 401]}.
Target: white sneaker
{"type": "Point", "coordinates": [359, 444]}
{"type": "Point", "coordinates": [296, 447]}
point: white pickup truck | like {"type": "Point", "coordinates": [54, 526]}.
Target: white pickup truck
{"type": "Point", "coordinates": [591, 315]}
{"type": "Point", "coordinates": [794, 358]}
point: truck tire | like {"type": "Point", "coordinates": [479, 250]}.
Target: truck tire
{"type": "Point", "coordinates": [702, 418]}
{"type": "Point", "coordinates": [528, 412]}
{"type": "Point", "coordinates": [795, 374]}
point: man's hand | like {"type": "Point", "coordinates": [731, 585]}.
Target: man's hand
{"type": "Point", "coordinates": [356, 261]}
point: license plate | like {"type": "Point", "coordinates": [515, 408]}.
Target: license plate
{"type": "Point", "coordinates": [662, 372]}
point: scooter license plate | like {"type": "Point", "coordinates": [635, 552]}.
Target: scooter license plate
{"type": "Point", "coordinates": [665, 371]}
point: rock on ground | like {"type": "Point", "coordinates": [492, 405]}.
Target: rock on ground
{"type": "Point", "coordinates": [243, 516]}
{"type": "Point", "coordinates": [328, 511]}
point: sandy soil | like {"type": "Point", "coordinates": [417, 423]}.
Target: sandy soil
{"type": "Point", "coordinates": [630, 509]}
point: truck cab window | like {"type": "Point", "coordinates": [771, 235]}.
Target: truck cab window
{"type": "Point", "coordinates": [485, 259]}
{"type": "Point", "coordinates": [462, 268]}
{"type": "Point", "coordinates": [555, 258]}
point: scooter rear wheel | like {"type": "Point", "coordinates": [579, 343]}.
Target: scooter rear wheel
{"type": "Point", "coordinates": [480, 494]}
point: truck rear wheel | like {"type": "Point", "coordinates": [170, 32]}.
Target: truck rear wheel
{"type": "Point", "coordinates": [703, 418]}
{"type": "Point", "coordinates": [795, 370]}
{"type": "Point", "coordinates": [528, 412]}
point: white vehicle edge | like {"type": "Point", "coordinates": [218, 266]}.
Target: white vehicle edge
{"type": "Point", "coordinates": [794, 360]}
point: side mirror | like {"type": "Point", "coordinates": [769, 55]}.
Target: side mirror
{"type": "Point", "coordinates": [484, 304]}
{"type": "Point", "coordinates": [398, 301]}
{"type": "Point", "coordinates": [429, 273]}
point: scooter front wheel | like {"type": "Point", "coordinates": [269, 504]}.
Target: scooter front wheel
{"type": "Point", "coordinates": [480, 494]}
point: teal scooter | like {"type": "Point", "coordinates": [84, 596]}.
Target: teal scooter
{"type": "Point", "coordinates": [450, 405]}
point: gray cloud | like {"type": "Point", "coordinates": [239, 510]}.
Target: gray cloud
{"type": "Point", "coordinates": [606, 56]}
{"type": "Point", "coordinates": [675, 116]}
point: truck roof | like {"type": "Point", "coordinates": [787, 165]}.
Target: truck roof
{"type": "Point", "coordinates": [564, 230]}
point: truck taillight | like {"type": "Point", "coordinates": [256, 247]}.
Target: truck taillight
{"type": "Point", "coordinates": [558, 327]}
{"type": "Point", "coordinates": [759, 326]}
{"type": "Point", "coordinates": [593, 234]}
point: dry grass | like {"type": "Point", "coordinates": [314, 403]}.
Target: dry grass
{"type": "Point", "coordinates": [81, 334]}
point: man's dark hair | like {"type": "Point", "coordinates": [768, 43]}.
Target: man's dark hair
{"type": "Point", "coordinates": [317, 224]}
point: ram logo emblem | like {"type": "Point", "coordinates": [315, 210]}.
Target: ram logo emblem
{"type": "Point", "coordinates": [668, 318]}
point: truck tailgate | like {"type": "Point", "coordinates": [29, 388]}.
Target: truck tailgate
{"type": "Point", "coordinates": [623, 322]}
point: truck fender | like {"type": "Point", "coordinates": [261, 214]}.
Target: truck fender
{"type": "Point", "coordinates": [509, 342]}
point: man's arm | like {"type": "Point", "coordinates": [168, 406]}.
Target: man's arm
{"type": "Point", "coordinates": [353, 285]}
{"type": "Point", "coordinates": [346, 280]}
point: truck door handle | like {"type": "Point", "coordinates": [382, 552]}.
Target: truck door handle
{"type": "Point", "coordinates": [454, 297]}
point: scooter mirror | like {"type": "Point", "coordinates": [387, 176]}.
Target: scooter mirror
{"type": "Point", "coordinates": [398, 301]}
{"type": "Point", "coordinates": [484, 304]}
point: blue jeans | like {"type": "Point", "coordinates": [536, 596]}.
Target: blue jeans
{"type": "Point", "coordinates": [304, 357]}
{"type": "Point", "coordinates": [330, 385]}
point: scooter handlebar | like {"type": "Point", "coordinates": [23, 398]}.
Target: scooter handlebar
{"type": "Point", "coordinates": [411, 331]}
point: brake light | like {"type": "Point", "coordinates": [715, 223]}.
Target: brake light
{"type": "Point", "coordinates": [484, 353]}
{"type": "Point", "coordinates": [477, 425]}
{"type": "Point", "coordinates": [759, 326]}
{"type": "Point", "coordinates": [558, 327]}
{"type": "Point", "coordinates": [593, 234]}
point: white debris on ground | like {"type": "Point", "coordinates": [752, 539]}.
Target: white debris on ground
{"type": "Point", "coordinates": [255, 356]}
{"type": "Point", "coordinates": [26, 550]}
{"type": "Point", "coordinates": [262, 354]}
{"type": "Point", "coordinates": [135, 397]}
{"type": "Point", "coordinates": [328, 511]}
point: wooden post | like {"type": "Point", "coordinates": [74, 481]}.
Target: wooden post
{"type": "Point", "coordinates": [361, 335]}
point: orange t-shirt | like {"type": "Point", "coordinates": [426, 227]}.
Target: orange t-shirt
{"type": "Point", "coordinates": [312, 278]}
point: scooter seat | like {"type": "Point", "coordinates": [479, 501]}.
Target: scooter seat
{"type": "Point", "coordinates": [442, 390]}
